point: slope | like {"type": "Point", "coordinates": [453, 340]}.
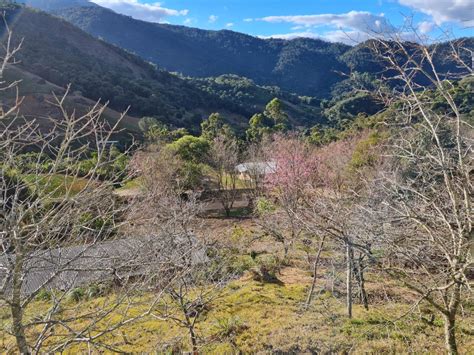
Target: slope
{"type": "Point", "coordinates": [304, 66]}
{"type": "Point", "coordinates": [60, 53]}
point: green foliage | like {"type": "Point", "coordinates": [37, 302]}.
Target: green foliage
{"type": "Point", "coordinates": [190, 149]}
{"type": "Point", "coordinates": [44, 295]}
{"type": "Point", "coordinates": [264, 206]}
{"type": "Point", "coordinates": [54, 186]}
{"type": "Point", "coordinates": [191, 175]}
{"type": "Point", "coordinates": [90, 292]}
{"type": "Point", "coordinates": [274, 119]}
{"type": "Point", "coordinates": [158, 132]}
{"type": "Point", "coordinates": [33, 161]}
{"type": "Point", "coordinates": [343, 111]}
{"type": "Point", "coordinates": [274, 111]}
{"type": "Point", "coordinates": [76, 294]}
{"type": "Point", "coordinates": [258, 127]}
{"type": "Point", "coordinates": [214, 127]}
{"type": "Point", "coordinates": [364, 153]}
{"type": "Point", "coordinates": [319, 135]}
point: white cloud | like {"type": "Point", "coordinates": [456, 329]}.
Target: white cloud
{"type": "Point", "coordinates": [354, 20]}
{"type": "Point", "coordinates": [188, 21]}
{"type": "Point", "coordinates": [293, 35]}
{"type": "Point", "coordinates": [347, 37]}
{"type": "Point", "coordinates": [230, 24]}
{"type": "Point", "coordinates": [445, 10]}
{"type": "Point", "coordinates": [248, 19]}
{"type": "Point", "coordinates": [152, 12]}
{"type": "Point", "coordinates": [351, 27]}
{"type": "Point", "coordinates": [213, 18]}
{"type": "Point", "coordinates": [425, 27]}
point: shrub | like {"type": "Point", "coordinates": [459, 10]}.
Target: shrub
{"type": "Point", "coordinates": [44, 295]}
{"type": "Point", "coordinates": [76, 294]}
{"type": "Point", "coordinates": [267, 269]}
{"type": "Point", "coordinates": [230, 327]}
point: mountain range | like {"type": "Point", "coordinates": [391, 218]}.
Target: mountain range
{"type": "Point", "coordinates": [304, 66]}
{"type": "Point", "coordinates": [58, 53]}
{"type": "Point", "coordinates": [109, 56]}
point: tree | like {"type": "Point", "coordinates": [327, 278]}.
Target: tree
{"type": "Point", "coordinates": [330, 210]}
{"type": "Point", "coordinates": [425, 191]}
{"type": "Point", "coordinates": [257, 128]}
{"type": "Point", "coordinates": [214, 127]}
{"type": "Point", "coordinates": [274, 111]}
{"type": "Point", "coordinates": [223, 159]}
{"type": "Point", "coordinates": [61, 231]}
{"type": "Point", "coordinates": [293, 166]}
{"type": "Point", "coordinates": [274, 119]}
{"type": "Point", "coordinates": [191, 149]}
{"type": "Point", "coordinates": [157, 132]}
{"type": "Point", "coordinates": [195, 272]}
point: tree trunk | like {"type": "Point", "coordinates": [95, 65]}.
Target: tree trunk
{"type": "Point", "coordinates": [16, 308]}
{"type": "Point", "coordinates": [315, 272]}
{"type": "Point", "coordinates": [193, 341]}
{"type": "Point", "coordinates": [18, 329]}
{"type": "Point", "coordinates": [450, 333]}
{"type": "Point", "coordinates": [359, 274]}
{"type": "Point", "coordinates": [349, 279]}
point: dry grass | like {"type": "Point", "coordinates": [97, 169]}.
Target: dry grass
{"type": "Point", "coordinates": [255, 317]}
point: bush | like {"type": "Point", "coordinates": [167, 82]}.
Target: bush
{"type": "Point", "coordinates": [44, 295]}
{"type": "Point", "coordinates": [267, 269]}
{"type": "Point", "coordinates": [76, 294]}
{"type": "Point", "coordinates": [230, 327]}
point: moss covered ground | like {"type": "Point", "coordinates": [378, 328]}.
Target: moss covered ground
{"type": "Point", "coordinates": [255, 317]}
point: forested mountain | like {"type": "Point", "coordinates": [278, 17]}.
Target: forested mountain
{"type": "Point", "coordinates": [305, 66]}
{"type": "Point", "coordinates": [60, 53]}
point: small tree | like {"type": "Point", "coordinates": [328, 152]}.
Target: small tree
{"type": "Point", "coordinates": [330, 211]}
{"type": "Point", "coordinates": [293, 165]}
{"type": "Point", "coordinates": [214, 127]}
{"type": "Point", "coordinates": [223, 158]}
{"type": "Point", "coordinates": [274, 111]}
{"type": "Point", "coordinates": [426, 189]}
{"type": "Point", "coordinates": [190, 148]}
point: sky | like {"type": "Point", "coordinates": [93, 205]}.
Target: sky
{"type": "Point", "coordinates": [331, 20]}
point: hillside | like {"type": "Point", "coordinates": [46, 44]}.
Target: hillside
{"type": "Point", "coordinates": [60, 53]}
{"type": "Point", "coordinates": [304, 66]}
{"type": "Point", "coordinates": [37, 104]}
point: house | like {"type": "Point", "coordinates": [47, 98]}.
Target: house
{"type": "Point", "coordinates": [253, 170]}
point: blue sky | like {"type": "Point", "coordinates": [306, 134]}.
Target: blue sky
{"type": "Point", "coordinates": [333, 20]}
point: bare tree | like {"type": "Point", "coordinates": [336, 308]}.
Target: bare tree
{"type": "Point", "coordinates": [330, 211]}
{"type": "Point", "coordinates": [285, 185]}
{"type": "Point", "coordinates": [60, 226]}
{"type": "Point", "coordinates": [426, 188]}
{"type": "Point", "coordinates": [224, 157]}
{"type": "Point", "coordinates": [195, 274]}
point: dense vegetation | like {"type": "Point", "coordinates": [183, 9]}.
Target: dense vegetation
{"type": "Point", "coordinates": [211, 53]}
{"type": "Point", "coordinates": [304, 66]}
{"type": "Point", "coordinates": [352, 235]}
{"type": "Point", "coordinates": [60, 53]}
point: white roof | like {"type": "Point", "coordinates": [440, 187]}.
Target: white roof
{"type": "Point", "coordinates": [268, 167]}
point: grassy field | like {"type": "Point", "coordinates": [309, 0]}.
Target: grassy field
{"type": "Point", "coordinates": [55, 186]}
{"type": "Point", "coordinates": [255, 317]}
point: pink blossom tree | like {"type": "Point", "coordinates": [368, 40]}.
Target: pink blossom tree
{"type": "Point", "coordinates": [292, 166]}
